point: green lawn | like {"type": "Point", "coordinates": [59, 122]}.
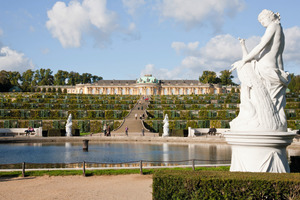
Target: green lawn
{"type": "Point", "coordinates": [103, 172]}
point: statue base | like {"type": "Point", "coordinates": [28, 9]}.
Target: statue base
{"type": "Point", "coordinates": [259, 152]}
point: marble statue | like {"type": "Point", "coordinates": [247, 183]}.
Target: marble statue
{"type": "Point", "coordinates": [69, 126]}
{"type": "Point", "coordinates": [166, 126]}
{"type": "Point", "coordinates": [263, 80]}
{"type": "Point", "coordinates": [258, 135]}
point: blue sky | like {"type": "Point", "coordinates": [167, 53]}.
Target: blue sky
{"type": "Point", "coordinates": [124, 39]}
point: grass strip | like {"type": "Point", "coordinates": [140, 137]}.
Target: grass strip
{"type": "Point", "coordinates": [103, 172]}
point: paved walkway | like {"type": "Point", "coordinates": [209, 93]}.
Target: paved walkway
{"type": "Point", "coordinates": [134, 121]}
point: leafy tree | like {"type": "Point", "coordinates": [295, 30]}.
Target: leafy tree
{"type": "Point", "coordinates": [96, 78]}
{"type": "Point", "coordinates": [15, 78]}
{"type": "Point", "coordinates": [5, 83]}
{"type": "Point", "coordinates": [43, 77]}
{"type": "Point", "coordinates": [60, 77]}
{"type": "Point", "coordinates": [208, 77]}
{"type": "Point", "coordinates": [86, 78]}
{"type": "Point", "coordinates": [27, 80]}
{"type": "Point", "coordinates": [226, 77]}
{"type": "Point", "coordinates": [294, 85]}
{"type": "Point", "coordinates": [74, 78]}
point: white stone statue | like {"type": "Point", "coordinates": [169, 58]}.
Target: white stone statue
{"type": "Point", "coordinates": [166, 126]}
{"type": "Point", "coordinates": [69, 126]}
{"type": "Point", "coordinates": [258, 135]}
{"type": "Point", "coordinates": [263, 81]}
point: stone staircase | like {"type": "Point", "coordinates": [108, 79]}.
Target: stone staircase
{"type": "Point", "coordinates": [135, 125]}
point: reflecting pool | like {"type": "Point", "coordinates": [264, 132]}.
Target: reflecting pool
{"type": "Point", "coordinates": [113, 153]}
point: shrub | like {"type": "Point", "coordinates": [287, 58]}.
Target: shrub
{"type": "Point", "coordinates": [224, 185]}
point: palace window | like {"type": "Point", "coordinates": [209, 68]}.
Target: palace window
{"type": "Point", "coordinates": [180, 91]}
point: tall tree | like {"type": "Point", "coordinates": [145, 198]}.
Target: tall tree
{"type": "Point", "coordinates": [74, 78]}
{"type": "Point", "coordinates": [86, 78]}
{"type": "Point", "coordinates": [5, 83]}
{"type": "Point", "coordinates": [60, 77]}
{"type": "Point", "coordinates": [27, 80]}
{"type": "Point", "coordinates": [294, 85]}
{"type": "Point", "coordinates": [15, 78]}
{"type": "Point", "coordinates": [44, 77]}
{"type": "Point", "coordinates": [226, 77]}
{"type": "Point", "coordinates": [208, 77]}
{"type": "Point", "coordinates": [96, 78]}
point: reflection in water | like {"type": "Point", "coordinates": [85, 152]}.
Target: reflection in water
{"type": "Point", "coordinates": [165, 152]}
{"type": "Point", "coordinates": [68, 153]}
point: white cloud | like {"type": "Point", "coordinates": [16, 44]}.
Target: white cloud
{"type": "Point", "coordinates": [292, 44]}
{"type": "Point", "coordinates": [217, 55]}
{"type": "Point", "coordinates": [133, 5]}
{"type": "Point", "coordinates": [197, 13]}
{"type": "Point", "coordinates": [11, 60]}
{"type": "Point", "coordinates": [161, 73]}
{"type": "Point", "coordinates": [182, 48]}
{"type": "Point", "coordinates": [220, 52]}
{"type": "Point", "coordinates": [68, 23]}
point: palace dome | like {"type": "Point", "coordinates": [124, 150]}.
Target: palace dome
{"type": "Point", "coordinates": [147, 78]}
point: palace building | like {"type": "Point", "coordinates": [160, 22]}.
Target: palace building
{"type": "Point", "coordinates": [146, 85]}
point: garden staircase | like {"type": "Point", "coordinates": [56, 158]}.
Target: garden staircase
{"type": "Point", "coordinates": [135, 125]}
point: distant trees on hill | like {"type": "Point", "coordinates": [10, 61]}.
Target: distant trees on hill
{"type": "Point", "coordinates": [211, 77]}
{"type": "Point", "coordinates": [294, 85]}
{"type": "Point", "coordinates": [28, 79]}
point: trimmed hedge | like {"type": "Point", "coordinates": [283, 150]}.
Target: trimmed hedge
{"type": "Point", "coordinates": [224, 185]}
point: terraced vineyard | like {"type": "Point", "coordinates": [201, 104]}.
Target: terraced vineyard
{"type": "Point", "coordinates": [204, 111]}
{"type": "Point", "coordinates": [90, 112]}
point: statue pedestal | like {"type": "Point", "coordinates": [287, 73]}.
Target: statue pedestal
{"type": "Point", "coordinates": [259, 152]}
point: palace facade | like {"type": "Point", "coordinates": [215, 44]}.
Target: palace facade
{"type": "Point", "coordinates": [146, 85]}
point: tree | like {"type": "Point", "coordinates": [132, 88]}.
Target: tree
{"type": "Point", "coordinates": [60, 77]}
{"type": "Point", "coordinates": [208, 77]}
{"type": "Point", "coordinates": [86, 78]}
{"type": "Point", "coordinates": [226, 77]}
{"type": "Point", "coordinates": [27, 80]}
{"type": "Point", "coordinates": [15, 78]}
{"type": "Point", "coordinates": [5, 83]}
{"type": "Point", "coordinates": [96, 78]}
{"type": "Point", "coordinates": [294, 85]}
{"type": "Point", "coordinates": [74, 78]}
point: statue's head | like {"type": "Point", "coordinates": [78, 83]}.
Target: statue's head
{"type": "Point", "coordinates": [266, 16]}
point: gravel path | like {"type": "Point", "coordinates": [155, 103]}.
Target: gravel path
{"type": "Point", "coordinates": [77, 187]}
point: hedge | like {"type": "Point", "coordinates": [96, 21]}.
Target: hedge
{"type": "Point", "coordinates": [224, 185]}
